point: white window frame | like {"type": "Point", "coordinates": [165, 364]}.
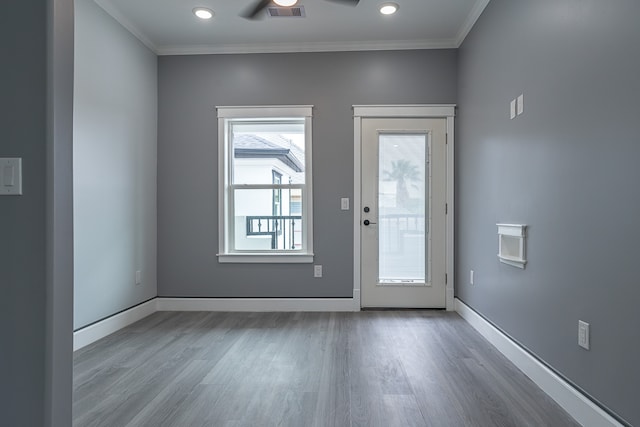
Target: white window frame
{"type": "Point", "coordinates": [226, 253]}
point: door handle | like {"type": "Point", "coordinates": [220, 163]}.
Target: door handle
{"type": "Point", "coordinates": [367, 222]}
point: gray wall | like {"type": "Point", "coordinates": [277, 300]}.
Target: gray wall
{"type": "Point", "coordinates": [35, 124]}
{"type": "Point", "coordinates": [115, 159]}
{"type": "Point", "coordinates": [189, 89]}
{"type": "Point", "coordinates": [569, 169]}
{"type": "Point", "coordinates": [22, 249]}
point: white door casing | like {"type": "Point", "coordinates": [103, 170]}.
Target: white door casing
{"type": "Point", "coordinates": [432, 124]}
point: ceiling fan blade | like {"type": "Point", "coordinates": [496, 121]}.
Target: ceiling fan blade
{"type": "Point", "coordinates": [347, 2]}
{"type": "Point", "coordinates": [254, 11]}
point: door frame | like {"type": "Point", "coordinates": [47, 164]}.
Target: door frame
{"type": "Point", "coordinates": [430, 111]}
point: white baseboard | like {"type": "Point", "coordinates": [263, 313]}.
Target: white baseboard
{"type": "Point", "coordinates": [582, 409]}
{"type": "Point", "coordinates": [93, 333]}
{"type": "Point", "coordinates": [257, 304]}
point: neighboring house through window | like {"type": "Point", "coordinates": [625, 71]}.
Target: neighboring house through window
{"type": "Point", "coordinates": [265, 184]}
{"type": "Point", "coordinates": [277, 193]}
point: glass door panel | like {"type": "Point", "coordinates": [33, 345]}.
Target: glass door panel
{"type": "Point", "coordinates": [403, 195]}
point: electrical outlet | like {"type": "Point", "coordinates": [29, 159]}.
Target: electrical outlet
{"type": "Point", "coordinates": [138, 277]}
{"type": "Point", "coordinates": [583, 334]}
{"type": "Point", "coordinates": [317, 271]}
{"type": "Point", "coordinates": [471, 277]}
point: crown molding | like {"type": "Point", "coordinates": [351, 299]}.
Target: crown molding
{"type": "Point", "coordinates": [108, 7]}
{"type": "Point", "coordinates": [209, 49]}
{"type": "Point", "coordinates": [468, 24]}
{"type": "Point", "coordinates": [306, 47]}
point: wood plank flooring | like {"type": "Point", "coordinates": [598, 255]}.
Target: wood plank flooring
{"type": "Point", "coordinates": [373, 368]}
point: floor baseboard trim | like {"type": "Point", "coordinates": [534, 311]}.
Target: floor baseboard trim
{"type": "Point", "coordinates": [581, 408]}
{"type": "Point", "coordinates": [92, 333]}
{"type": "Point", "coordinates": [256, 304]}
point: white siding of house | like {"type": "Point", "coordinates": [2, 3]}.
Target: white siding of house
{"type": "Point", "coordinates": [257, 202]}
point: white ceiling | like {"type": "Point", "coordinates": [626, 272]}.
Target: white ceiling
{"type": "Point", "coordinates": [169, 27]}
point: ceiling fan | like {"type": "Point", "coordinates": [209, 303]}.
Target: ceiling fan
{"type": "Point", "coordinates": [253, 12]}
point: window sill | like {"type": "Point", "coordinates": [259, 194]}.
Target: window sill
{"type": "Point", "coordinates": [514, 262]}
{"type": "Point", "coordinates": [266, 258]}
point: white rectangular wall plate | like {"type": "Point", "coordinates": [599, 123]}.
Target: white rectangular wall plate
{"type": "Point", "coordinates": [520, 104]}
{"type": "Point", "coordinates": [344, 203]}
{"type": "Point", "coordinates": [512, 112]}
{"type": "Point", "coordinates": [583, 334]}
{"type": "Point", "coordinates": [10, 176]}
{"type": "Point", "coordinates": [317, 271]}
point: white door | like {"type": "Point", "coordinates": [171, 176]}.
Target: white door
{"type": "Point", "coordinates": [403, 218]}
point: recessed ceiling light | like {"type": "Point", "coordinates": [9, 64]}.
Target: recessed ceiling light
{"type": "Point", "coordinates": [285, 3]}
{"type": "Point", "coordinates": [203, 13]}
{"type": "Point", "coordinates": [388, 8]}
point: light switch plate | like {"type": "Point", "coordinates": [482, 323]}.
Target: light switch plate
{"type": "Point", "coordinates": [583, 335]}
{"type": "Point", "coordinates": [344, 203]}
{"type": "Point", "coordinates": [520, 104]}
{"type": "Point", "coordinates": [10, 176]}
{"type": "Point", "coordinates": [317, 270]}
{"type": "Point", "coordinates": [512, 112]}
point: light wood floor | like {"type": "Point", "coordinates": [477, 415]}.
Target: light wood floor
{"type": "Point", "coordinates": [373, 368]}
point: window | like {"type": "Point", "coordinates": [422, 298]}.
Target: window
{"type": "Point", "coordinates": [265, 198]}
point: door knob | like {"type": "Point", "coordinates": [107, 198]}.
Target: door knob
{"type": "Point", "coordinates": [367, 222]}
{"type": "Point", "coordinates": [366, 208]}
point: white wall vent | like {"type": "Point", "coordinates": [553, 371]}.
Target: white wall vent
{"type": "Point", "coordinates": [286, 12]}
{"type": "Point", "coordinates": [511, 244]}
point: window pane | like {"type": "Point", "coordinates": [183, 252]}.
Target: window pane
{"type": "Point", "coordinates": [261, 149]}
{"type": "Point", "coordinates": [402, 200]}
{"type": "Point", "coordinates": [258, 228]}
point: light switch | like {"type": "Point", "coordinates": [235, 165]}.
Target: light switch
{"type": "Point", "coordinates": [512, 113]}
{"type": "Point", "coordinates": [10, 176]}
